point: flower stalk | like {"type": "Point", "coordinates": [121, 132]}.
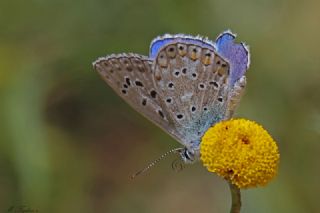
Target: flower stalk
{"type": "Point", "coordinates": [235, 198]}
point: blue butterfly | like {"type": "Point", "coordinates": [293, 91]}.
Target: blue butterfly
{"type": "Point", "coordinates": [186, 85]}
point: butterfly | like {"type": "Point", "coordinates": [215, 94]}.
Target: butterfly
{"type": "Point", "coordinates": [185, 85]}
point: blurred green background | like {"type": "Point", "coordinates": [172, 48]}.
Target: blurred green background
{"type": "Point", "coordinates": [69, 144]}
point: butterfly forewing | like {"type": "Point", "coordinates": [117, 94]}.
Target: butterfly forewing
{"type": "Point", "coordinates": [130, 76]}
{"type": "Point", "coordinates": [193, 82]}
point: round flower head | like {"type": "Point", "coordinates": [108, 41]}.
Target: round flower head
{"type": "Point", "coordinates": [240, 151]}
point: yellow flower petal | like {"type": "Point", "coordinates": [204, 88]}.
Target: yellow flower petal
{"type": "Point", "coordinates": [240, 151]}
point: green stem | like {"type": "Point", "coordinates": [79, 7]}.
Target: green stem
{"type": "Point", "coordinates": [236, 198]}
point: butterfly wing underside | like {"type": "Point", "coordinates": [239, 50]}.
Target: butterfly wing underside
{"type": "Point", "coordinates": [130, 76]}
{"type": "Point", "coordinates": [193, 81]}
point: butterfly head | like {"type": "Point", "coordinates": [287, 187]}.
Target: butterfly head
{"type": "Point", "coordinates": [189, 155]}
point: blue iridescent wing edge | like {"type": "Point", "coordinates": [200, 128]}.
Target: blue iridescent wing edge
{"type": "Point", "coordinates": [161, 41]}
{"type": "Point", "coordinates": [237, 55]}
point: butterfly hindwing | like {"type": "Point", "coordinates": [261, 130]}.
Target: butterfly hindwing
{"type": "Point", "coordinates": [193, 81]}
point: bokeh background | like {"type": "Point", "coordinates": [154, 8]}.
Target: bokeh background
{"type": "Point", "coordinates": [69, 144]}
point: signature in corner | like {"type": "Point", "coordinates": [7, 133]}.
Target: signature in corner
{"type": "Point", "coordinates": [22, 209]}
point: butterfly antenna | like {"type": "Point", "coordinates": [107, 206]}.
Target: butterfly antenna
{"type": "Point", "coordinates": [142, 171]}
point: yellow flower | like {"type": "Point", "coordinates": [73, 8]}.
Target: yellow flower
{"type": "Point", "coordinates": [240, 151]}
